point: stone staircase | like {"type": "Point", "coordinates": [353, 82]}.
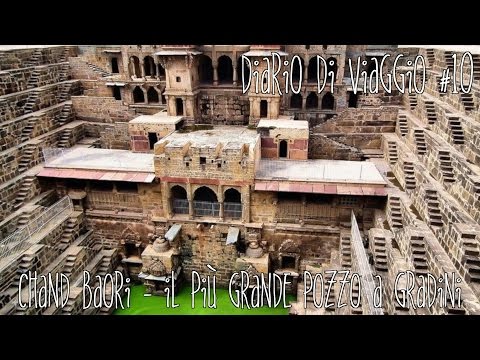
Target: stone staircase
{"type": "Point", "coordinates": [395, 212]}
{"type": "Point", "coordinates": [65, 114]}
{"type": "Point", "coordinates": [64, 72]}
{"type": "Point", "coordinates": [476, 66]}
{"type": "Point", "coordinates": [430, 57]}
{"type": "Point", "coordinates": [31, 102]}
{"type": "Point", "coordinates": [419, 252]}
{"type": "Point", "coordinates": [431, 113]}
{"type": "Point", "coordinates": [27, 157]}
{"type": "Point", "coordinates": [456, 130]}
{"type": "Point", "coordinates": [412, 100]}
{"type": "Point", "coordinates": [410, 182]}
{"type": "Point", "coordinates": [64, 93]}
{"type": "Point", "coordinates": [69, 265]}
{"type": "Point", "coordinates": [419, 136]}
{"type": "Point", "coordinates": [392, 152]}
{"type": "Point", "coordinates": [65, 137]}
{"type": "Point", "coordinates": [28, 129]}
{"type": "Point", "coordinates": [35, 59]}
{"type": "Point", "coordinates": [449, 60]}
{"type": "Point", "coordinates": [24, 191]}
{"type": "Point", "coordinates": [69, 232]}
{"type": "Point", "coordinates": [434, 214]}
{"type": "Point", "coordinates": [34, 78]}
{"type": "Point", "coordinates": [345, 250]}
{"type": "Point", "coordinates": [26, 265]}
{"type": "Point", "coordinates": [402, 124]}
{"type": "Point", "coordinates": [98, 70]}
{"type": "Point", "coordinates": [467, 101]}
{"type": "Point", "coordinates": [471, 256]}
{"type": "Point", "coordinates": [379, 253]}
{"type": "Point", "coordinates": [446, 166]}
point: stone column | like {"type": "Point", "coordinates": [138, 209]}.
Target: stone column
{"type": "Point", "coordinates": [131, 68]}
{"type": "Point", "coordinates": [269, 107]}
{"type": "Point", "coordinates": [142, 68]}
{"type": "Point", "coordinates": [215, 74]}
{"type": "Point", "coordinates": [145, 95]}
{"type": "Point", "coordinates": [305, 74]}
{"type": "Point", "coordinates": [220, 201]}
{"type": "Point", "coordinates": [167, 207]}
{"type": "Point", "coordinates": [304, 102]}
{"type": "Point", "coordinates": [246, 204]}
{"type": "Point", "coordinates": [190, 201]}
{"type": "Point", "coordinates": [235, 75]}
{"type": "Point", "coordinates": [152, 68]}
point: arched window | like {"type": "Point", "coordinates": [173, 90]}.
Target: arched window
{"type": "Point", "coordinates": [205, 70]}
{"type": "Point", "coordinates": [152, 95]}
{"type": "Point", "coordinates": [205, 202]}
{"type": "Point", "coordinates": [232, 204]}
{"type": "Point", "coordinates": [179, 200]}
{"type": "Point", "coordinates": [312, 101]}
{"type": "Point", "coordinates": [149, 66]}
{"type": "Point", "coordinates": [283, 149]}
{"type": "Point", "coordinates": [328, 101]}
{"type": "Point", "coordinates": [135, 67]}
{"type": "Point", "coordinates": [312, 70]}
{"type": "Point", "coordinates": [296, 101]}
{"type": "Point", "coordinates": [138, 96]}
{"type": "Point", "coordinates": [225, 70]}
{"type": "Point", "coordinates": [161, 71]}
{"type": "Point", "coordinates": [296, 69]}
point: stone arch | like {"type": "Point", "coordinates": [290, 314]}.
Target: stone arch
{"type": "Point", "coordinates": [138, 95]}
{"type": "Point", "coordinates": [225, 70]}
{"type": "Point", "coordinates": [135, 67]}
{"type": "Point", "coordinates": [232, 195]}
{"type": "Point", "coordinates": [149, 66]}
{"type": "Point", "coordinates": [312, 101]}
{"type": "Point", "coordinates": [205, 69]}
{"type": "Point", "coordinates": [179, 198]}
{"type": "Point", "coordinates": [290, 246]}
{"type": "Point", "coordinates": [296, 69]}
{"type": "Point", "coordinates": [312, 69]}
{"type": "Point", "coordinates": [328, 101]}
{"type": "Point", "coordinates": [283, 149]}
{"type": "Point", "coordinates": [205, 193]}
{"type": "Point", "coordinates": [152, 95]}
{"type": "Point", "coordinates": [296, 101]}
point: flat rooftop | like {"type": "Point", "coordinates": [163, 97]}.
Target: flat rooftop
{"type": "Point", "coordinates": [333, 171]}
{"type": "Point", "coordinates": [103, 159]}
{"type": "Point", "coordinates": [160, 118]}
{"type": "Point", "coordinates": [230, 136]}
{"type": "Point", "coordinates": [19, 47]}
{"type": "Point", "coordinates": [283, 124]}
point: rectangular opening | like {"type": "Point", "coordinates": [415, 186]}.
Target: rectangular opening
{"type": "Point", "coordinates": [352, 99]}
{"type": "Point", "coordinates": [288, 262]}
{"type": "Point", "coordinates": [152, 139]}
{"type": "Point", "coordinates": [203, 160]}
{"type": "Point", "coordinates": [101, 185]}
{"type": "Point", "coordinates": [178, 79]}
{"type": "Point", "coordinates": [116, 93]}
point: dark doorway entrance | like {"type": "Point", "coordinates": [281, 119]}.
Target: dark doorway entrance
{"type": "Point", "coordinates": [152, 139]}
{"type": "Point", "coordinates": [283, 149]}
{"type": "Point", "coordinates": [179, 106]}
{"type": "Point", "coordinates": [116, 93]}
{"type": "Point", "coordinates": [114, 65]}
{"type": "Point", "coordinates": [263, 108]}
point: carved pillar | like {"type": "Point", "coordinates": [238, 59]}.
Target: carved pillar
{"type": "Point", "coordinates": [142, 68]}
{"type": "Point", "coordinates": [145, 98]}
{"type": "Point", "coordinates": [131, 68]}
{"type": "Point", "coordinates": [235, 75]}
{"type": "Point", "coordinates": [304, 102]}
{"type": "Point", "coordinates": [269, 108]}
{"type": "Point", "coordinates": [167, 205]}
{"type": "Point", "coordinates": [305, 73]}
{"type": "Point", "coordinates": [246, 204]}
{"type": "Point", "coordinates": [190, 201]}
{"type": "Point", "coordinates": [221, 200]}
{"type": "Point", "coordinates": [215, 74]}
{"type": "Point", "coordinates": [152, 68]}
